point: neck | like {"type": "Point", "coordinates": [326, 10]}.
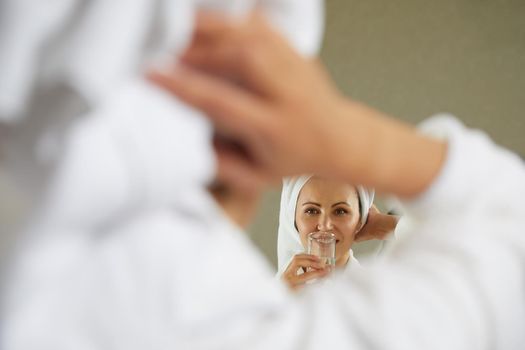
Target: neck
{"type": "Point", "coordinates": [343, 260]}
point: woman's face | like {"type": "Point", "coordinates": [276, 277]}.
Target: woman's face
{"type": "Point", "coordinates": [325, 205]}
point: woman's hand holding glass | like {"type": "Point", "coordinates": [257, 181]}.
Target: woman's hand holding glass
{"type": "Point", "coordinates": [302, 269]}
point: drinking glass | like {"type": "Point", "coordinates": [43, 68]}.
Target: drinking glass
{"type": "Point", "coordinates": [322, 244]}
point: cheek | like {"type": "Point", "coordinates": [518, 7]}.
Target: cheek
{"type": "Point", "coordinates": [305, 225]}
{"type": "Point", "coordinates": [348, 228]}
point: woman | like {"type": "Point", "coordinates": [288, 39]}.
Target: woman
{"type": "Point", "coordinates": [309, 204]}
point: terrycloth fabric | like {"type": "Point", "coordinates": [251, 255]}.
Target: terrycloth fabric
{"type": "Point", "coordinates": [67, 64]}
{"type": "Point", "coordinates": [110, 170]}
{"type": "Point", "coordinates": [288, 240]}
{"type": "Point", "coordinates": [62, 60]}
{"type": "Point", "coordinates": [92, 47]}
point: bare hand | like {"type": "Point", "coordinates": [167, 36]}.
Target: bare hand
{"type": "Point", "coordinates": [378, 226]}
{"type": "Point", "coordinates": [280, 91]}
{"type": "Point", "coordinates": [310, 265]}
{"type": "Point", "coordinates": [286, 117]}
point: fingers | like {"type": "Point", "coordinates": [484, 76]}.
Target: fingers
{"type": "Point", "coordinates": [256, 90]}
{"type": "Point", "coordinates": [362, 237]}
{"type": "Point", "coordinates": [248, 50]}
{"type": "Point", "coordinates": [215, 44]}
{"type": "Point", "coordinates": [311, 264]}
{"type": "Point", "coordinates": [310, 275]}
{"type": "Point", "coordinates": [378, 226]}
{"type": "Point", "coordinates": [373, 210]}
{"type": "Point", "coordinates": [213, 25]}
{"type": "Point", "coordinates": [220, 60]}
{"type": "Point", "coordinates": [231, 108]}
{"type": "Point", "coordinates": [366, 233]}
{"type": "Point", "coordinates": [246, 63]}
{"type": "Point", "coordinates": [305, 261]}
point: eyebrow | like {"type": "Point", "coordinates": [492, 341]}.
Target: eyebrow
{"type": "Point", "coordinates": [307, 203]}
{"type": "Point", "coordinates": [333, 205]}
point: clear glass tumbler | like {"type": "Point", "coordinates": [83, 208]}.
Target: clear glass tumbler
{"type": "Point", "coordinates": [322, 244]}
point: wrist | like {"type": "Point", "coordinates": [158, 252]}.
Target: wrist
{"type": "Point", "coordinates": [388, 225]}
{"type": "Point", "coordinates": [378, 151]}
{"type": "Point", "coordinates": [357, 142]}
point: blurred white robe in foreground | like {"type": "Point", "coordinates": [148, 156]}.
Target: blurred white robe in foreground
{"type": "Point", "coordinates": [93, 153]}
{"type": "Point", "coordinates": [127, 251]}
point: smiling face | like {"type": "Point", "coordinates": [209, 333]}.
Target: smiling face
{"type": "Point", "coordinates": [325, 205]}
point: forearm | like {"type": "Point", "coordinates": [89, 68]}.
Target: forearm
{"type": "Point", "coordinates": [385, 153]}
{"type": "Point", "coordinates": [388, 224]}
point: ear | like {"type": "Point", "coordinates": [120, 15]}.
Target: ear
{"type": "Point", "coordinates": [358, 230]}
{"type": "Point", "coordinates": [361, 225]}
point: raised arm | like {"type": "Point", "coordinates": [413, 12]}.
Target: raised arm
{"type": "Point", "coordinates": [286, 113]}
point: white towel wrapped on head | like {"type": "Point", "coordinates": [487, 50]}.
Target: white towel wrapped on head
{"type": "Point", "coordinates": [288, 240]}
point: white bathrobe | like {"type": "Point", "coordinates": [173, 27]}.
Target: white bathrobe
{"type": "Point", "coordinates": [74, 104]}
{"type": "Point", "coordinates": [63, 61]}
{"type": "Point", "coordinates": [146, 264]}
{"type": "Point", "coordinates": [92, 153]}
{"type": "Point", "coordinates": [456, 281]}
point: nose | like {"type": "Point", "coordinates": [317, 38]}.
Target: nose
{"type": "Point", "coordinates": [325, 223]}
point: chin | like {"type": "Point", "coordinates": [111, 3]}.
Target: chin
{"type": "Point", "coordinates": [341, 250]}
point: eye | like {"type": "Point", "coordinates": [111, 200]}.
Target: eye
{"type": "Point", "coordinates": [340, 211]}
{"type": "Point", "coordinates": [311, 211]}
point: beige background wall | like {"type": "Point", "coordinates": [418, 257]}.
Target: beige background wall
{"type": "Point", "coordinates": [414, 58]}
